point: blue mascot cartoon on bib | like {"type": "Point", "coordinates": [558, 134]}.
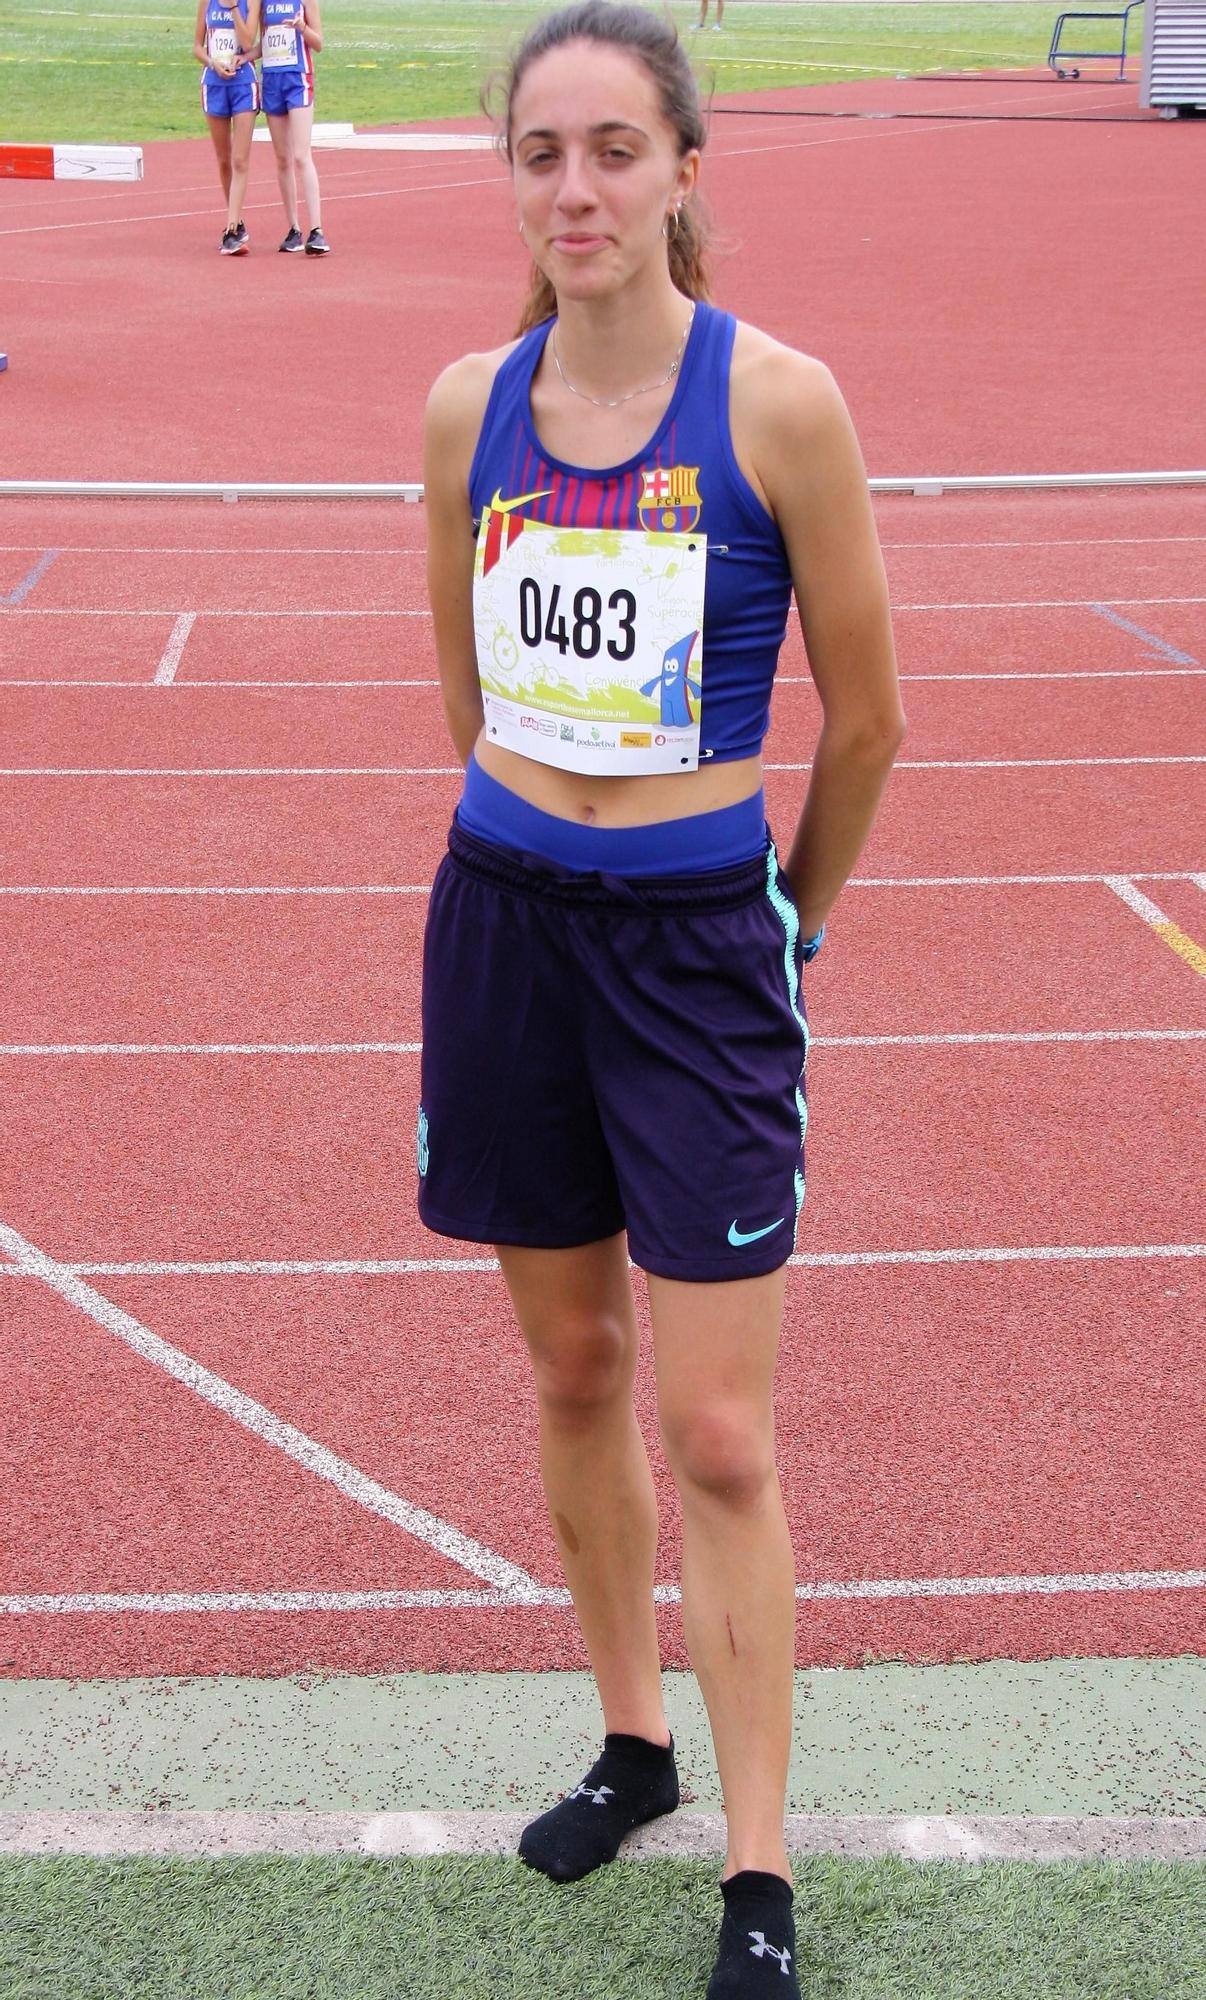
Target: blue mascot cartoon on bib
{"type": "Point", "coordinates": [675, 685]}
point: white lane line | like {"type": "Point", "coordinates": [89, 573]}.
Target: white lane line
{"type": "Point", "coordinates": [876, 1590]}
{"type": "Point", "coordinates": [978, 604]}
{"type": "Point", "coordinates": [457, 771]}
{"type": "Point", "coordinates": [221, 1834]}
{"type": "Point", "coordinates": [424, 888]}
{"type": "Point", "coordinates": [822, 1260]}
{"type": "Point", "coordinates": [1044, 603]}
{"type": "Point", "coordinates": [1135, 900]}
{"type": "Point", "coordinates": [292, 549]}
{"type": "Point", "coordinates": [1067, 542]}
{"type": "Point", "coordinates": [781, 680]}
{"type": "Point", "coordinates": [278, 1048]}
{"type": "Point", "coordinates": [264, 1423]}
{"type": "Point", "coordinates": [247, 771]}
{"type": "Point", "coordinates": [1150, 640]}
{"type": "Point", "coordinates": [89, 611]}
{"type": "Point", "coordinates": [138, 219]}
{"type": "Point", "coordinates": [173, 652]}
{"type": "Point", "coordinates": [1019, 1038]}
{"type": "Point", "coordinates": [304, 553]}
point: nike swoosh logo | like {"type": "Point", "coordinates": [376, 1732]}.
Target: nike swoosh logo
{"type": "Point", "coordinates": [740, 1237]}
{"type": "Point", "coordinates": [500, 506]}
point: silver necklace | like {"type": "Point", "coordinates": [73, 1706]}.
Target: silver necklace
{"type": "Point", "coordinates": [613, 403]}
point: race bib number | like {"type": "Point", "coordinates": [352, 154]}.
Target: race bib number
{"type": "Point", "coordinates": [590, 644]}
{"type": "Point", "coordinates": [223, 47]}
{"type": "Point", "coordinates": [280, 46]}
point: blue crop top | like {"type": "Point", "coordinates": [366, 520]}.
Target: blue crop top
{"type": "Point", "coordinates": [748, 580]}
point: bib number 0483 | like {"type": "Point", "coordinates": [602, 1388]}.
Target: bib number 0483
{"type": "Point", "coordinates": [580, 628]}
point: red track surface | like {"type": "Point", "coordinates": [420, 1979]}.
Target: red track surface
{"type": "Point", "coordinates": [993, 297]}
{"type": "Point", "coordinates": [954, 1421]}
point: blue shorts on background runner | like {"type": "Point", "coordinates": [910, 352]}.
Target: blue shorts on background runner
{"type": "Point", "coordinates": [226, 97]}
{"type": "Point", "coordinates": [604, 1053]}
{"type": "Point", "coordinates": [287, 90]}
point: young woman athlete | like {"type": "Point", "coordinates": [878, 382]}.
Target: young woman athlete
{"type": "Point", "coordinates": [619, 504]}
{"type": "Point", "coordinates": [230, 99]}
{"type": "Point", "coordinates": [290, 32]}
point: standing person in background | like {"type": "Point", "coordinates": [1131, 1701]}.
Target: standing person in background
{"type": "Point", "coordinates": [619, 504]}
{"type": "Point", "coordinates": [224, 45]}
{"type": "Point", "coordinates": [703, 16]}
{"type": "Point", "coordinates": [290, 31]}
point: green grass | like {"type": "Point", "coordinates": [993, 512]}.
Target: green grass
{"type": "Point", "coordinates": [108, 71]}
{"type": "Point", "coordinates": [353, 1929]}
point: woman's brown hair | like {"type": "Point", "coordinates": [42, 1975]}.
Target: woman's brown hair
{"type": "Point", "coordinates": [654, 41]}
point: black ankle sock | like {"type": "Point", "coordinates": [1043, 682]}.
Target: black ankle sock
{"type": "Point", "coordinates": [757, 1956]}
{"type": "Point", "coordinates": [633, 1781]}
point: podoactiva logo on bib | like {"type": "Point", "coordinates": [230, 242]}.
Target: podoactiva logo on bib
{"type": "Point", "coordinates": [670, 500]}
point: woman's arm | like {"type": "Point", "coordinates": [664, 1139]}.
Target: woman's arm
{"type": "Point", "coordinates": [455, 409]}
{"type": "Point", "coordinates": [809, 461]}
{"type": "Point", "coordinates": [248, 31]}
{"type": "Point", "coordinates": [200, 43]}
{"type": "Point", "coordinates": [310, 23]}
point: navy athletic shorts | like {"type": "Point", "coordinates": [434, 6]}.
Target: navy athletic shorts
{"type": "Point", "coordinates": [603, 1054]}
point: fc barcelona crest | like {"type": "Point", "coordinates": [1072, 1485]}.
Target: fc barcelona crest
{"type": "Point", "coordinates": [670, 500]}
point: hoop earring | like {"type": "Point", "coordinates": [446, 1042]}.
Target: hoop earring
{"type": "Point", "coordinates": [677, 225]}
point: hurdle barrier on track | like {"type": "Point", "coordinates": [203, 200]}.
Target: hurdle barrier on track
{"type": "Point", "coordinates": [924, 485]}
{"type": "Point", "coordinates": [71, 163]}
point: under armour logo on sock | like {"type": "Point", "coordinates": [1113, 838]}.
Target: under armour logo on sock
{"type": "Point", "coordinates": [600, 1797]}
{"type": "Point", "coordinates": [761, 1949]}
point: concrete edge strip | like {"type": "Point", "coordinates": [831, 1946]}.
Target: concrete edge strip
{"type": "Point", "coordinates": [685, 1836]}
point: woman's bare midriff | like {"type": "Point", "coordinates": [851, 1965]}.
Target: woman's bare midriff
{"type": "Point", "coordinates": [642, 801]}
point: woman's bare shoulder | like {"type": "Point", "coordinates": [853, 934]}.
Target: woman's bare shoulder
{"type": "Point", "coordinates": [457, 400]}
{"type": "Point", "coordinates": [772, 381]}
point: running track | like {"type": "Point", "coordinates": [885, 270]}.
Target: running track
{"type": "Point", "coordinates": [990, 1394]}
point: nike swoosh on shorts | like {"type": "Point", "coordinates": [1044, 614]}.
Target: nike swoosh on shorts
{"type": "Point", "coordinates": [740, 1237]}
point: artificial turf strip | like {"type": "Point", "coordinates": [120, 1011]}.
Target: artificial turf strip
{"type": "Point", "coordinates": [490, 1929]}
{"type": "Point", "coordinates": [126, 74]}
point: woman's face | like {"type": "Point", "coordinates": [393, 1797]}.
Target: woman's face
{"type": "Point", "coordinates": [596, 167]}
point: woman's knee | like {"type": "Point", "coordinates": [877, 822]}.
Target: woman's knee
{"type": "Point", "coordinates": [582, 1364]}
{"type": "Point", "coordinates": [721, 1452]}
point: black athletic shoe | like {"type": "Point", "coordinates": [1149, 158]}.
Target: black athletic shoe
{"type": "Point", "coordinates": [242, 239]}
{"type": "Point", "coordinates": [231, 247]}
{"type": "Point", "coordinates": [293, 240]}
{"type": "Point", "coordinates": [316, 244]}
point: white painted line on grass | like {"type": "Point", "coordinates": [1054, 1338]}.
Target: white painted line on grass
{"type": "Point", "coordinates": [1021, 1038]}
{"type": "Point", "coordinates": [165, 672]}
{"type": "Point", "coordinates": [818, 1260]}
{"type": "Point", "coordinates": [264, 1423]}
{"type": "Point", "coordinates": [294, 1602]}
{"type": "Point", "coordinates": [684, 1835]}
{"type": "Point", "coordinates": [457, 770]}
